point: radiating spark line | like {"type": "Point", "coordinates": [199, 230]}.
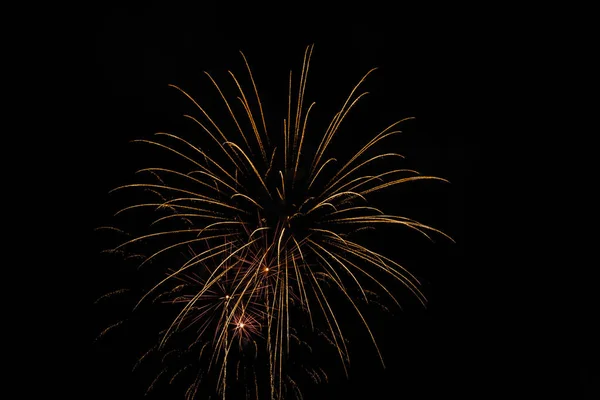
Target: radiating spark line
{"type": "Point", "coordinates": [301, 142]}
{"type": "Point", "coordinates": [111, 228]}
{"type": "Point", "coordinates": [379, 177]}
{"type": "Point", "coordinates": [111, 294]}
{"type": "Point", "coordinates": [247, 198]}
{"type": "Point", "coordinates": [282, 185]}
{"type": "Point", "coordinates": [186, 215]}
{"type": "Point", "coordinates": [319, 171]}
{"type": "Point", "coordinates": [251, 165]}
{"type": "Point", "coordinates": [106, 330]}
{"type": "Point", "coordinates": [250, 117]}
{"type": "Point", "coordinates": [164, 205]}
{"type": "Point", "coordinates": [301, 289]}
{"type": "Point", "coordinates": [228, 106]}
{"type": "Point", "coordinates": [397, 181]}
{"type": "Point", "coordinates": [333, 196]}
{"type": "Point", "coordinates": [257, 98]}
{"type": "Point", "coordinates": [356, 208]}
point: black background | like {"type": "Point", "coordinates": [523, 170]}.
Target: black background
{"type": "Point", "coordinates": [480, 337]}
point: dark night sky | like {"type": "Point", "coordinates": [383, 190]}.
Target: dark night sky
{"type": "Point", "coordinates": [432, 66]}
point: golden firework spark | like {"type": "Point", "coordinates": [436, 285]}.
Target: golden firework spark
{"type": "Point", "coordinates": [269, 222]}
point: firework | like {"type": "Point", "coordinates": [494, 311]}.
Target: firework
{"type": "Point", "coordinates": [269, 227]}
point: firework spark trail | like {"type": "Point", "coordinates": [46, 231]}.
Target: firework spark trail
{"type": "Point", "coordinates": [266, 243]}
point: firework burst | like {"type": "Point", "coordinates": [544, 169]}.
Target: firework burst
{"type": "Point", "coordinates": [268, 225]}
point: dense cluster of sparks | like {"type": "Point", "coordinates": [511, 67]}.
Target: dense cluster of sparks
{"type": "Point", "coordinates": [266, 225]}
